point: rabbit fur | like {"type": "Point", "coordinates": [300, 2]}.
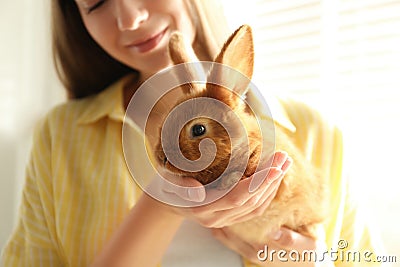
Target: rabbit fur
{"type": "Point", "coordinates": [301, 200]}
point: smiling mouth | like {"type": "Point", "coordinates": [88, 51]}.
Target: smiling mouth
{"type": "Point", "coordinates": [150, 43]}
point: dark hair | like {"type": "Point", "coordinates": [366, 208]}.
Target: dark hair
{"type": "Point", "coordinates": [84, 68]}
{"type": "Point", "coordinates": [81, 64]}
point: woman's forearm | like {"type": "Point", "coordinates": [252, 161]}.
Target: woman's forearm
{"type": "Point", "coordinates": [143, 237]}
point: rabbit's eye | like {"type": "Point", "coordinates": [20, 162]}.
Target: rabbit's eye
{"type": "Point", "coordinates": [198, 130]}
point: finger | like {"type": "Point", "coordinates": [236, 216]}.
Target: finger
{"type": "Point", "coordinates": [260, 207]}
{"type": "Point", "coordinates": [249, 210]}
{"type": "Point", "coordinates": [287, 164]}
{"type": "Point", "coordinates": [279, 159]}
{"type": "Point", "coordinates": [288, 239]}
{"type": "Point", "coordinates": [256, 203]}
{"type": "Point", "coordinates": [239, 195]}
{"type": "Point", "coordinates": [276, 160]}
{"type": "Point", "coordinates": [185, 187]}
{"type": "Point", "coordinates": [273, 186]}
{"type": "Point", "coordinates": [263, 177]}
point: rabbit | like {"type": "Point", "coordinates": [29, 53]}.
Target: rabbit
{"type": "Point", "coordinates": [301, 200]}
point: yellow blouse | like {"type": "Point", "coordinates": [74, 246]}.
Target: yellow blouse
{"type": "Point", "coordinates": [78, 188]}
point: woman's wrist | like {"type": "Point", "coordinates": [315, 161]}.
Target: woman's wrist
{"type": "Point", "coordinates": [162, 209]}
{"type": "Point", "coordinates": [143, 237]}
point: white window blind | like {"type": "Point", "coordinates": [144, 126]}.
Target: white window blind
{"type": "Point", "coordinates": [288, 45]}
{"type": "Point", "coordinates": [368, 53]}
{"type": "Point", "coordinates": [287, 37]}
{"type": "Point", "coordinates": [304, 47]}
{"type": "Point", "coordinates": [343, 56]}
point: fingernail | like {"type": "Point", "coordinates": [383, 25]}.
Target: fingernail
{"type": "Point", "coordinates": [196, 194]}
{"type": "Point", "coordinates": [276, 235]}
{"type": "Point", "coordinates": [281, 159]}
{"type": "Point", "coordinates": [287, 164]}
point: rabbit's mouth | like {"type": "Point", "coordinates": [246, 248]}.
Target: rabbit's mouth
{"type": "Point", "coordinates": [204, 176]}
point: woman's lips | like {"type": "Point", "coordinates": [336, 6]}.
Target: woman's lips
{"type": "Point", "coordinates": [149, 44]}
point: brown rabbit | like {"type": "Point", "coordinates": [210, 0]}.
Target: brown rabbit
{"type": "Point", "coordinates": [300, 203]}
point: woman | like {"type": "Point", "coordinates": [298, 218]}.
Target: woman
{"type": "Point", "coordinates": [80, 205]}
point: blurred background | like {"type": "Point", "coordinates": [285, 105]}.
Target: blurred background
{"type": "Point", "coordinates": [28, 88]}
{"type": "Point", "coordinates": [341, 56]}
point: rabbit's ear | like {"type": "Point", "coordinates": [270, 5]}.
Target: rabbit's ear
{"type": "Point", "coordinates": [180, 52]}
{"type": "Point", "coordinates": [238, 54]}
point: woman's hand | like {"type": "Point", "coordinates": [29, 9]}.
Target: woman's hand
{"type": "Point", "coordinates": [247, 199]}
{"type": "Point", "coordinates": [284, 240]}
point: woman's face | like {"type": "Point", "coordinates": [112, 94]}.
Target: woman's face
{"type": "Point", "coordinates": [136, 32]}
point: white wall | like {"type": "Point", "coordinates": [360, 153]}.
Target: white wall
{"type": "Point", "coordinates": [28, 88]}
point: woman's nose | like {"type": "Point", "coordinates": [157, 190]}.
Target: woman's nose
{"type": "Point", "coordinates": [130, 14]}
